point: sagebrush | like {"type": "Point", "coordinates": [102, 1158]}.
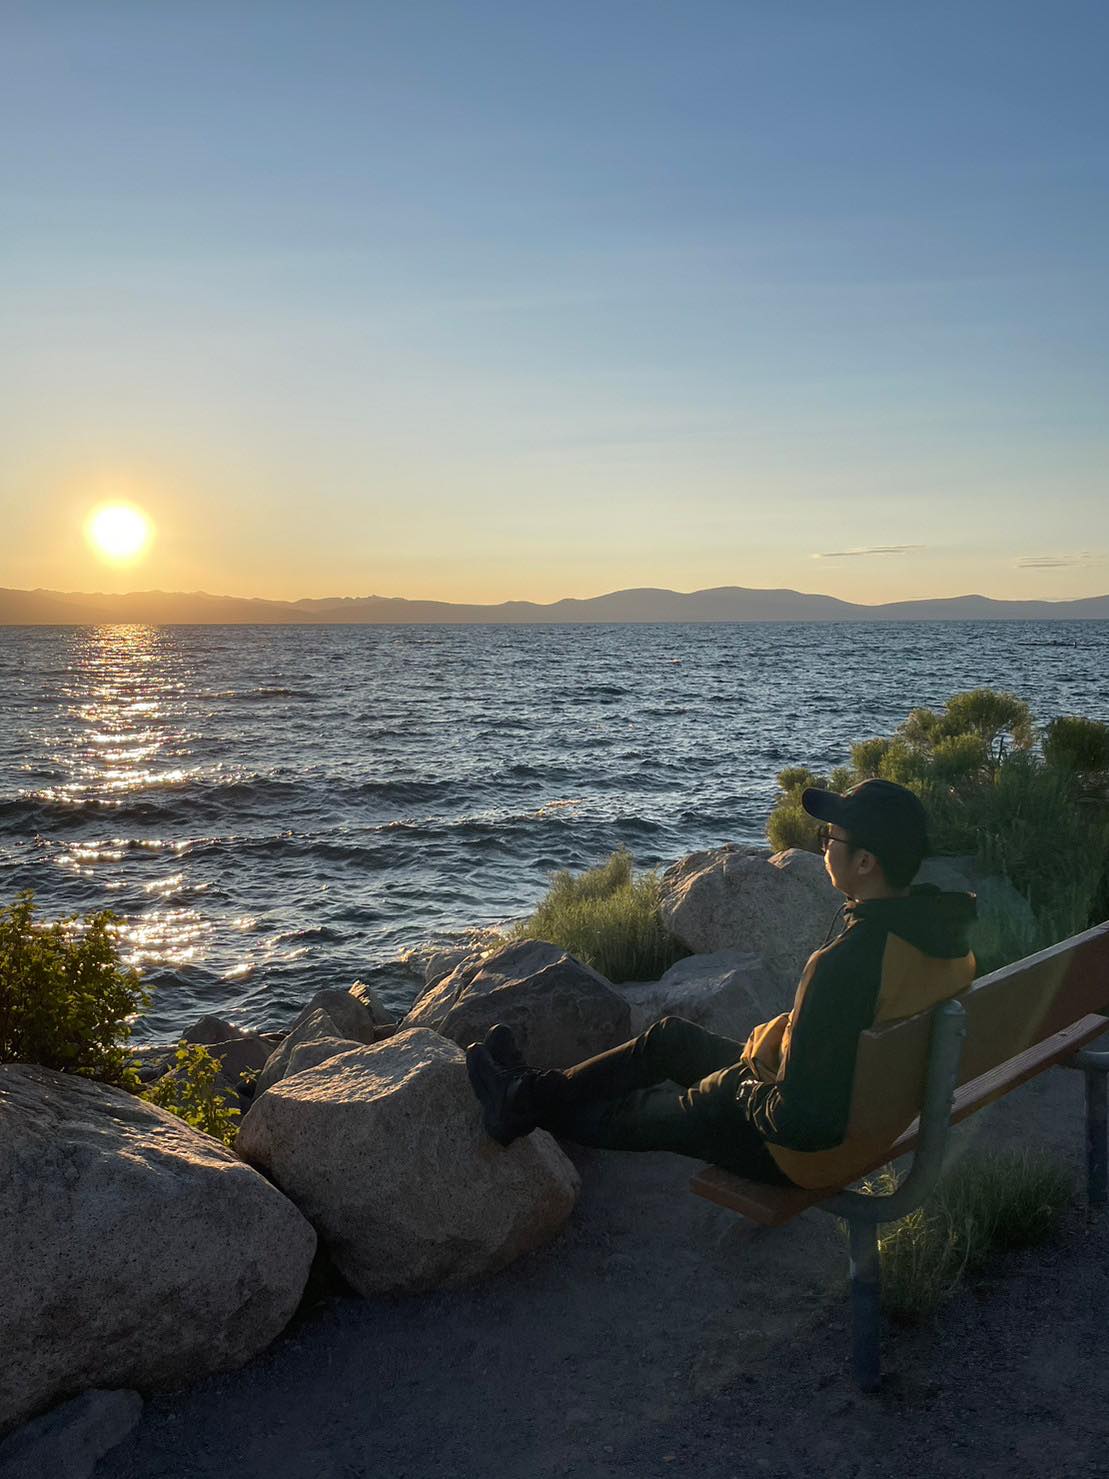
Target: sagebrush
{"type": "Point", "coordinates": [608, 918]}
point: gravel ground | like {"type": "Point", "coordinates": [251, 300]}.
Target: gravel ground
{"type": "Point", "coordinates": [661, 1335]}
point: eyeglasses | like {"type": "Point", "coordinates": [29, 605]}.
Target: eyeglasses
{"type": "Point", "coordinates": [826, 836]}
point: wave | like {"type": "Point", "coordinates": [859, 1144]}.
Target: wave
{"type": "Point", "coordinates": [262, 695]}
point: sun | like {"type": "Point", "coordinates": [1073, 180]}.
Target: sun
{"type": "Point", "coordinates": [119, 532]}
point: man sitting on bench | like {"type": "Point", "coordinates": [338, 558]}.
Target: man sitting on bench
{"type": "Point", "coordinates": [776, 1109]}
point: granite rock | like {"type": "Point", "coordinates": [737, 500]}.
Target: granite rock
{"type": "Point", "coordinates": [140, 1252]}
{"type": "Point", "coordinates": [383, 1150]}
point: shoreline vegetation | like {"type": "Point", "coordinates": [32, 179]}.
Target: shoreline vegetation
{"type": "Point", "coordinates": [1018, 812]}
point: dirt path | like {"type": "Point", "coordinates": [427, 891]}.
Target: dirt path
{"type": "Point", "coordinates": [660, 1335]}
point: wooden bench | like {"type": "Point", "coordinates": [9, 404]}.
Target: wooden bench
{"type": "Point", "coordinates": [934, 1069]}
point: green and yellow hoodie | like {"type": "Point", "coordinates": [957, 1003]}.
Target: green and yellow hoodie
{"type": "Point", "coordinates": [894, 958]}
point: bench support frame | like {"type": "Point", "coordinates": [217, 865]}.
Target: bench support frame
{"type": "Point", "coordinates": [1095, 1066]}
{"type": "Point", "coordinates": [864, 1211]}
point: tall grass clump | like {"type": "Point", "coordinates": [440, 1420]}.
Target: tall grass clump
{"type": "Point", "coordinates": [984, 1204]}
{"type": "Point", "coordinates": [1036, 816]}
{"type": "Point", "coordinates": [607, 918]}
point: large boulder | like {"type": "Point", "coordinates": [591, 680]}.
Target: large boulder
{"type": "Point", "coordinates": [383, 1149]}
{"type": "Point", "coordinates": [729, 992]}
{"type": "Point", "coordinates": [736, 898]}
{"type": "Point", "coordinates": [559, 1010]}
{"type": "Point", "coordinates": [139, 1252]}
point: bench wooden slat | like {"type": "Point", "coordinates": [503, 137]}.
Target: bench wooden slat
{"type": "Point", "coordinates": [772, 1206]}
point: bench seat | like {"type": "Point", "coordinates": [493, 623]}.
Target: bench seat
{"type": "Point", "coordinates": [773, 1206]}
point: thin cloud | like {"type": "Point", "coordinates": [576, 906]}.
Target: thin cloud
{"type": "Point", "coordinates": [873, 549]}
{"type": "Point", "coordinates": [1053, 562]}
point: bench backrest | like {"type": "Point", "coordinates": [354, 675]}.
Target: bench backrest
{"type": "Point", "coordinates": [1006, 1012]}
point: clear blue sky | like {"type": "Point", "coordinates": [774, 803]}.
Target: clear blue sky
{"type": "Point", "coordinates": [485, 300]}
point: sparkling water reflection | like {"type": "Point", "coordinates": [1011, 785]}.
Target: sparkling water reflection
{"type": "Point", "coordinates": [273, 809]}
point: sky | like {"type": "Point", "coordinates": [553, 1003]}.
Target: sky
{"type": "Point", "coordinates": [483, 301]}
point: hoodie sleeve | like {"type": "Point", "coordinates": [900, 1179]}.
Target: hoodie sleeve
{"type": "Point", "coordinates": [807, 1107]}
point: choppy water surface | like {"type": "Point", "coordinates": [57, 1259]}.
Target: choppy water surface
{"type": "Point", "coordinates": [275, 809]}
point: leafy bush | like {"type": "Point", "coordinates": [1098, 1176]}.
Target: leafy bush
{"type": "Point", "coordinates": [983, 1204]}
{"type": "Point", "coordinates": [188, 1090]}
{"type": "Point", "coordinates": [66, 1003]}
{"type": "Point", "coordinates": [608, 919]}
{"type": "Point", "coordinates": [65, 999]}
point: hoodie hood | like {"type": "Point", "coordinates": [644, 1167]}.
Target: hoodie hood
{"type": "Point", "coordinates": [936, 923]}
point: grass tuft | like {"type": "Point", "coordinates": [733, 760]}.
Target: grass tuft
{"type": "Point", "coordinates": [607, 918]}
{"type": "Point", "coordinates": [983, 1205]}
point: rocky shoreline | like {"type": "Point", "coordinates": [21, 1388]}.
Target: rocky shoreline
{"type": "Point", "coordinates": [155, 1256]}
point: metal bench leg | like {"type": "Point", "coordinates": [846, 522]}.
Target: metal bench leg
{"type": "Point", "coordinates": [1095, 1137]}
{"type": "Point", "coordinates": [866, 1296]}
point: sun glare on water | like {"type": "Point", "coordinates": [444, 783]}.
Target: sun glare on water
{"type": "Point", "coordinates": [119, 532]}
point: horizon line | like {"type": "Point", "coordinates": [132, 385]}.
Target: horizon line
{"type": "Point", "coordinates": [558, 601]}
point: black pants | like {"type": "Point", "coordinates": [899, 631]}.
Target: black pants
{"type": "Point", "coordinates": [621, 1100]}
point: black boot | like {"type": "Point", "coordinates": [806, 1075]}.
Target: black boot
{"type": "Point", "coordinates": [503, 1047]}
{"type": "Point", "coordinates": [501, 1093]}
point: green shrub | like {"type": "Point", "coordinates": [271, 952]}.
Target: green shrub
{"type": "Point", "coordinates": [608, 919]}
{"type": "Point", "coordinates": [867, 757]}
{"type": "Point", "coordinates": [791, 826]}
{"type": "Point", "coordinates": [188, 1090]}
{"type": "Point", "coordinates": [1027, 817]}
{"type": "Point", "coordinates": [1079, 745]}
{"type": "Point", "coordinates": [994, 717]}
{"type": "Point", "coordinates": [65, 999]}
{"type": "Point", "coordinates": [982, 1205]}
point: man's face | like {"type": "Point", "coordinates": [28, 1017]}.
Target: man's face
{"type": "Point", "coordinates": [845, 865]}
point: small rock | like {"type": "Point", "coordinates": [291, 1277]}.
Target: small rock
{"type": "Point", "coordinates": [67, 1442]}
{"type": "Point", "coordinates": [316, 1027]}
{"type": "Point", "coordinates": [559, 1010]}
{"type": "Point", "coordinates": [355, 1012]}
{"type": "Point", "coordinates": [211, 1029]}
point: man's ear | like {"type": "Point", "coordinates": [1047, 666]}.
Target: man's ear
{"type": "Point", "coordinates": [865, 861]}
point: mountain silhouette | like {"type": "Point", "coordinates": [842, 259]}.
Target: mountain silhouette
{"type": "Point", "coordinates": [721, 603]}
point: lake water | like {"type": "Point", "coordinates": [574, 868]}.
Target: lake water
{"type": "Point", "coordinates": [276, 809]}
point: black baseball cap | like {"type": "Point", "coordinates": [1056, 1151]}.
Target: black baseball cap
{"type": "Point", "coordinates": [885, 818]}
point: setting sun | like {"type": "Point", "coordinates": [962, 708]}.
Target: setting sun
{"type": "Point", "coordinates": [119, 532]}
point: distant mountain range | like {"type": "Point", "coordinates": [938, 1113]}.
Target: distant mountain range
{"type": "Point", "coordinates": [723, 603]}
